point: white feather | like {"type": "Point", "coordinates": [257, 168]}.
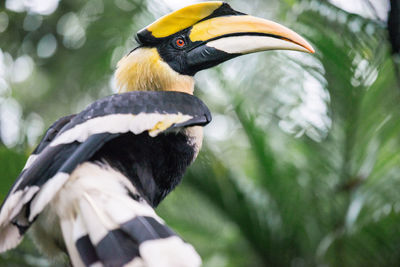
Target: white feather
{"type": "Point", "coordinates": [121, 209]}
{"type": "Point", "coordinates": [96, 221]}
{"type": "Point", "coordinates": [15, 202]}
{"type": "Point", "coordinates": [105, 188]}
{"type": "Point", "coordinates": [29, 192]}
{"type": "Point", "coordinates": [79, 228]}
{"type": "Point", "coordinates": [9, 237]}
{"type": "Point", "coordinates": [119, 123]}
{"type": "Point", "coordinates": [68, 228]}
{"type": "Point", "coordinates": [95, 200]}
{"type": "Point", "coordinates": [47, 192]}
{"type": "Point", "coordinates": [169, 252]}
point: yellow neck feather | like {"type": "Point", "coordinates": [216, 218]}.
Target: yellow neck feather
{"type": "Point", "coordinates": [144, 70]}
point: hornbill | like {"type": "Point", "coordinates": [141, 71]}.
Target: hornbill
{"type": "Point", "coordinates": [90, 187]}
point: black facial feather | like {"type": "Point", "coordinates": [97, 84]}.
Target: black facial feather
{"type": "Point", "coordinates": [178, 57]}
{"type": "Point", "coordinates": [191, 58]}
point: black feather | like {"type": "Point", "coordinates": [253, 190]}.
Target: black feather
{"type": "Point", "coordinates": [154, 165]}
{"type": "Point", "coordinates": [117, 249]}
{"type": "Point", "coordinates": [144, 228]}
{"type": "Point", "coordinates": [86, 250]}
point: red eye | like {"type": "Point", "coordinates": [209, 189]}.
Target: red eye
{"type": "Point", "coordinates": [180, 42]}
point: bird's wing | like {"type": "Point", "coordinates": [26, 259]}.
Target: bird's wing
{"type": "Point", "coordinates": [105, 222]}
{"type": "Point", "coordinates": [53, 130]}
{"type": "Point", "coordinates": [80, 138]}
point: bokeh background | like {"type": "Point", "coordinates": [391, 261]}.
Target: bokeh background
{"type": "Point", "coordinates": [301, 164]}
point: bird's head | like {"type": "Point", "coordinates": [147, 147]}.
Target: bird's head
{"type": "Point", "coordinates": [175, 47]}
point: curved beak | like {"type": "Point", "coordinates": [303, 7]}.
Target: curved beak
{"type": "Point", "coordinates": [221, 38]}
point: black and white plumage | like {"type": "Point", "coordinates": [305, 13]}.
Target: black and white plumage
{"type": "Point", "coordinates": [90, 187]}
{"type": "Point", "coordinates": [96, 177]}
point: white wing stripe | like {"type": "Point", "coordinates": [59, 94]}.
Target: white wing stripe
{"type": "Point", "coordinates": [120, 123]}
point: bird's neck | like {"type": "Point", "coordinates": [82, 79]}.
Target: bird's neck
{"type": "Point", "coordinates": [144, 70]}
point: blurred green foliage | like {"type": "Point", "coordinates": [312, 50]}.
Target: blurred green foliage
{"type": "Point", "coordinates": [300, 166]}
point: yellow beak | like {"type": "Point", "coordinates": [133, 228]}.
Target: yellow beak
{"type": "Point", "coordinates": [246, 34]}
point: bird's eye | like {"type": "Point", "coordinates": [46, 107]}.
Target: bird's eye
{"type": "Point", "coordinates": [180, 42]}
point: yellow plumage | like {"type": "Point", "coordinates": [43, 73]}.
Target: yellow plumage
{"type": "Point", "coordinates": [144, 70]}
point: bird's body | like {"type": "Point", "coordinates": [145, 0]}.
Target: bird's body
{"type": "Point", "coordinates": [90, 188]}
{"type": "Point", "coordinates": [107, 173]}
{"type": "Point", "coordinates": [113, 227]}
